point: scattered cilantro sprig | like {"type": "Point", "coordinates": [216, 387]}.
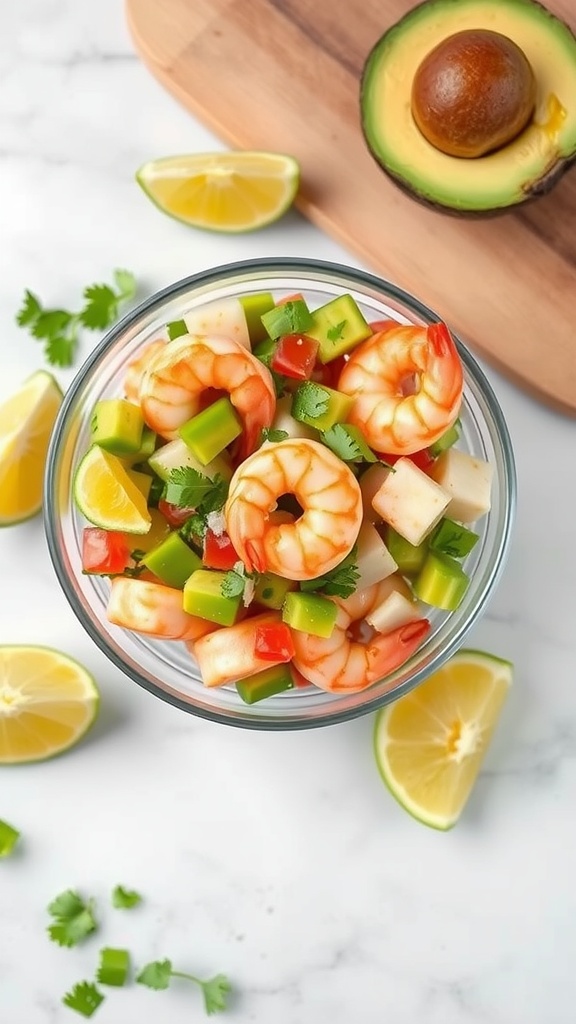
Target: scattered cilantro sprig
{"type": "Point", "coordinates": [273, 435]}
{"type": "Point", "coordinates": [188, 488]}
{"type": "Point", "coordinates": [347, 443]}
{"type": "Point", "coordinates": [85, 998]}
{"type": "Point", "coordinates": [159, 973]}
{"type": "Point", "coordinates": [339, 582]}
{"type": "Point", "coordinates": [59, 329]}
{"type": "Point", "coordinates": [125, 899]}
{"type": "Point", "coordinates": [236, 581]}
{"type": "Point", "coordinates": [313, 399]}
{"type": "Point", "coordinates": [9, 836]}
{"type": "Point", "coordinates": [73, 919]}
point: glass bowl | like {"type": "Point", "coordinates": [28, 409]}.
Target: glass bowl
{"type": "Point", "coordinates": [166, 668]}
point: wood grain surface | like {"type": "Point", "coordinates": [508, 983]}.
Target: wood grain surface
{"type": "Point", "coordinates": [284, 75]}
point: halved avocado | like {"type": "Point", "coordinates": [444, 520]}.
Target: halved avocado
{"type": "Point", "coordinates": [525, 167]}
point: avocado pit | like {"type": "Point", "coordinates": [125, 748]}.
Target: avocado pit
{"type": "Point", "coordinates": [473, 93]}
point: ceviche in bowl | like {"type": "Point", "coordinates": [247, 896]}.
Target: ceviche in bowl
{"type": "Point", "coordinates": [279, 493]}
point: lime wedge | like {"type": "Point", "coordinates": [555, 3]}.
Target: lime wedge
{"type": "Point", "coordinates": [231, 192]}
{"type": "Point", "coordinates": [429, 745]}
{"type": "Point", "coordinates": [26, 421]}
{"type": "Point", "coordinates": [107, 496]}
{"type": "Point", "coordinates": [47, 703]}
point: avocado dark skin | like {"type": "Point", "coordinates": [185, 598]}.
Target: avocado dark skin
{"type": "Point", "coordinates": [386, 134]}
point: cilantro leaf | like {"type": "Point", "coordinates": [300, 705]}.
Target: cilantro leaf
{"type": "Point", "coordinates": [188, 488]}
{"type": "Point", "coordinates": [268, 434]}
{"type": "Point", "coordinates": [156, 974]}
{"type": "Point", "coordinates": [29, 310]}
{"type": "Point", "coordinates": [60, 350]}
{"type": "Point", "coordinates": [347, 442]}
{"type": "Point", "coordinates": [334, 333]}
{"type": "Point", "coordinates": [339, 582]}
{"type": "Point", "coordinates": [101, 307]}
{"type": "Point", "coordinates": [125, 283]}
{"type": "Point", "coordinates": [58, 328]}
{"type": "Point", "coordinates": [84, 998]}
{"type": "Point", "coordinates": [233, 583]}
{"type": "Point", "coordinates": [159, 973]}
{"type": "Point", "coordinates": [125, 899]}
{"type": "Point", "coordinates": [9, 836]}
{"type": "Point", "coordinates": [50, 322]}
{"type": "Point", "coordinates": [73, 919]}
{"type": "Point", "coordinates": [215, 991]}
{"type": "Point", "coordinates": [310, 400]}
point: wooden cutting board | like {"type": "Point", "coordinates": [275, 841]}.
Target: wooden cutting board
{"type": "Point", "coordinates": [284, 75]}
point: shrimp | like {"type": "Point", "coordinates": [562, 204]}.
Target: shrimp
{"type": "Point", "coordinates": [136, 369]}
{"type": "Point", "coordinates": [327, 492]}
{"type": "Point", "coordinates": [341, 664]}
{"type": "Point", "coordinates": [177, 376]}
{"type": "Point", "coordinates": [154, 609]}
{"type": "Point", "coordinates": [407, 383]}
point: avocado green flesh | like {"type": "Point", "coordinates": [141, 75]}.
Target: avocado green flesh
{"type": "Point", "coordinates": [524, 167]}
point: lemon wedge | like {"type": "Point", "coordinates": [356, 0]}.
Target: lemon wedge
{"type": "Point", "coordinates": [232, 192]}
{"type": "Point", "coordinates": [26, 421]}
{"type": "Point", "coordinates": [107, 496]}
{"type": "Point", "coordinates": [47, 703]}
{"type": "Point", "coordinates": [429, 744]}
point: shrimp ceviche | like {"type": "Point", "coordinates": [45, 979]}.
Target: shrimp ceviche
{"type": "Point", "coordinates": [282, 489]}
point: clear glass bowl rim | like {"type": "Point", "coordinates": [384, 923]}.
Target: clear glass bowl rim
{"type": "Point", "coordinates": [280, 265]}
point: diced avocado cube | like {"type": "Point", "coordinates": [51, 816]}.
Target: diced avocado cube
{"type": "Point", "coordinates": [117, 426]}
{"type": "Point", "coordinates": [310, 613]}
{"type": "Point", "coordinates": [338, 326]}
{"type": "Point", "coordinates": [408, 557]}
{"type": "Point", "coordinates": [451, 538]}
{"type": "Point", "coordinates": [441, 582]}
{"type": "Point", "coordinates": [448, 438]}
{"type": "Point", "coordinates": [210, 431]}
{"type": "Point", "coordinates": [319, 406]}
{"type": "Point", "coordinates": [264, 351]}
{"type": "Point", "coordinates": [176, 329]}
{"type": "Point", "coordinates": [177, 453]}
{"type": "Point", "coordinates": [292, 317]}
{"type": "Point", "coordinates": [264, 684]}
{"type": "Point", "coordinates": [172, 561]}
{"type": "Point", "coordinates": [143, 481]}
{"type": "Point", "coordinates": [254, 307]}
{"type": "Point", "coordinates": [270, 590]}
{"type": "Point", "coordinates": [146, 449]}
{"type": "Point", "coordinates": [203, 596]}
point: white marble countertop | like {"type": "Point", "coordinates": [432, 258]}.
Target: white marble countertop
{"type": "Point", "coordinates": [278, 859]}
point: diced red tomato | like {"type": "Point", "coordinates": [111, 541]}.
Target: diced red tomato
{"type": "Point", "coordinates": [295, 356]}
{"type": "Point", "coordinates": [382, 325]}
{"type": "Point", "coordinates": [273, 642]}
{"type": "Point", "coordinates": [422, 459]}
{"type": "Point", "coordinates": [173, 514]}
{"type": "Point", "coordinates": [294, 297]}
{"type": "Point", "coordinates": [218, 551]}
{"type": "Point", "coordinates": [329, 373]}
{"type": "Point", "coordinates": [104, 551]}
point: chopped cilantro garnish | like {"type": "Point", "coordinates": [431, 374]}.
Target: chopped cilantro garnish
{"type": "Point", "coordinates": [125, 899]}
{"type": "Point", "coordinates": [73, 919]}
{"type": "Point", "coordinates": [84, 998]}
{"type": "Point", "coordinates": [334, 333]}
{"type": "Point", "coordinates": [347, 442]}
{"type": "Point", "coordinates": [159, 973]}
{"type": "Point", "coordinates": [313, 399]}
{"type": "Point", "coordinates": [268, 434]}
{"type": "Point", "coordinates": [339, 582]}
{"type": "Point", "coordinates": [9, 836]}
